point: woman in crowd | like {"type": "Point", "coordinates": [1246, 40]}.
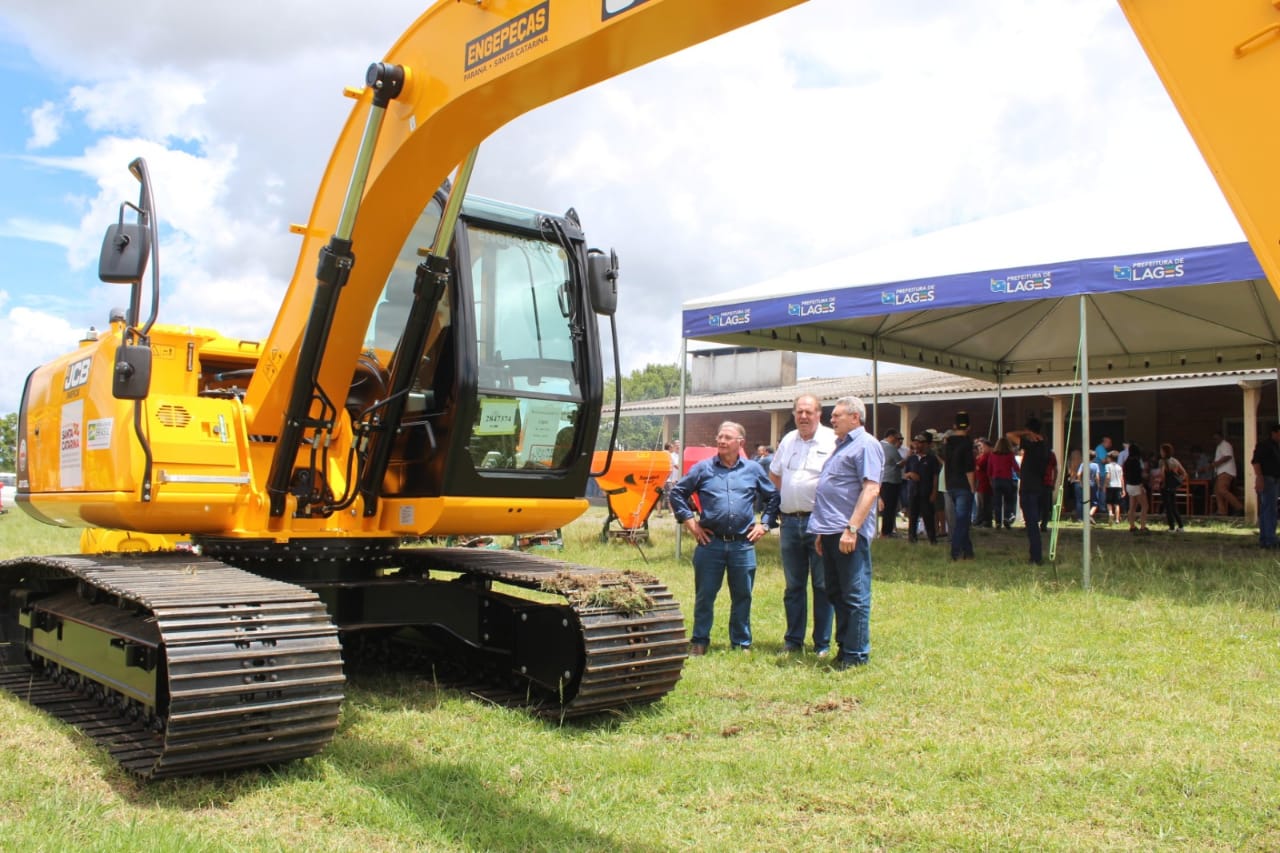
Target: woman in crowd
{"type": "Point", "coordinates": [1173, 475]}
{"type": "Point", "coordinates": [1001, 466]}
{"type": "Point", "coordinates": [1073, 495]}
{"type": "Point", "coordinates": [1135, 487]}
{"type": "Point", "coordinates": [982, 482]}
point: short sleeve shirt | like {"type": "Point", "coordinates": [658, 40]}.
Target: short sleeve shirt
{"type": "Point", "coordinates": [857, 459]}
{"type": "Point", "coordinates": [1228, 467]}
{"type": "Point", "coordinates": [799, 464]}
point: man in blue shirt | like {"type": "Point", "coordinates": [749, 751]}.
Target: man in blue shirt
{"type": "Point", "coordinates": [727, 486]}
{"type": "Point", "coordinates": [844, 521]}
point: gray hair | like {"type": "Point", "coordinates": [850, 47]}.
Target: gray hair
{"type": "Point", "coordinates": [855, 405]}
{"type": "Point", "coordinates": [736, 427]}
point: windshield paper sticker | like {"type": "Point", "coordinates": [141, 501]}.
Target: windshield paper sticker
{"type": "Point", "coordinates": [497, 416]}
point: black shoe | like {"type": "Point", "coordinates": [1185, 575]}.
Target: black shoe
{"type": "Point", "coordinates": [848, 663]}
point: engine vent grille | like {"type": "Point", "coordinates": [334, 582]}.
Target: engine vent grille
{"type": "Point", "coordinates": [173, 416]}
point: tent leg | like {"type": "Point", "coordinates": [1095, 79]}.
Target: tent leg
{"type": "Point", "coordinates": [684, 369]}
{"type": "Point", "coordinates": [875, 389]}
{"type": "Point", "coordinates": [1086, 526]}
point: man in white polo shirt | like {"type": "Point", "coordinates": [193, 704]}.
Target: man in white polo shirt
{"type": "Point", "coordinates": [795, 468]}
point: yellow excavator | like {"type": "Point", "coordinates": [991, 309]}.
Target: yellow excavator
{"type": "Point", "coordinates": [434, 370]}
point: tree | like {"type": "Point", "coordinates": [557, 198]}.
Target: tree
{"type": "Point", "coordinates": [642, 432]}
{"type": "Point", "coordinates": [8, 441]}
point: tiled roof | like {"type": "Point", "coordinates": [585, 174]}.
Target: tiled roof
{"type": "Point", "coordinates": [920, 386]}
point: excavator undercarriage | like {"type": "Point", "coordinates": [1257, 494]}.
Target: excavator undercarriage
{"type": "Point", "coordinates": [180, 664]}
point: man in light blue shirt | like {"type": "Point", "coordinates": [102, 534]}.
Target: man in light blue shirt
{"type": "Point", "coordinates": [844, 520]}
{"type": "Point", "coordinates": [727, 486]}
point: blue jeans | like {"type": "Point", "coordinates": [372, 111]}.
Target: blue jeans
{"type": "Point", "coordinates": [1004, 493]}
{"type": "Point", "coordinates": [961, 543]}
{"type": "Point", "coordinates": [849, 589]}
{"type": "Point", "coordinates": [1030, 502]}
{"type": "Point", "coordinates": [1267, 511]}
{"type": "Point", "coordinates": [801, 566]}
{"type": "Point", "coordinates": [1078, 488]}
{"type": "Point", "coordinates": [711, 562]}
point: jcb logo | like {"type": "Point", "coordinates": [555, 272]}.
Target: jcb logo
{"type": "Point", "coordinates": [77, 374]}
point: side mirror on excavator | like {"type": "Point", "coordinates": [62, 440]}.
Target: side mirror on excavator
{"type": "Point", "coordinates": [132, 377]}
{"type": "Point", "coordinates": [125, 251]}
{"type": "Point", "coordinates": [602, 281]}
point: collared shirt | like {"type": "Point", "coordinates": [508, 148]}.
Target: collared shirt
{"type": "Point", "coordinates": [727, 496]}
{"type": "Point", "coordinates": [927, 466]}
{"type": "Point", "coordinates": [856, 459]}
{"type": "Point", "coordinates": [893, 462]}
{"type": "Point", "coordinates": [1228, 467]}
{"type": "Point", "coordinates": [799, 463]}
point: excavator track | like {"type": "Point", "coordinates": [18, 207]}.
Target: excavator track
{"type": "Point", "coordinates": [190, 666]}
{"type": "Point", "coordinates": [241, 670]}
{"type": "Point", "coordinates": [630, 655]}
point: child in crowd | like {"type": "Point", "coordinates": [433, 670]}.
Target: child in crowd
{"type": "Point", "coordinates": [1115, 485]}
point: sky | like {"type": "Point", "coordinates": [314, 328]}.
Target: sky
{"type": "Point", "coordinates": [829, 129]}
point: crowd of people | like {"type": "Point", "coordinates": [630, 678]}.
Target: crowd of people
{"type": "Point", "coordinates": [830, 490]}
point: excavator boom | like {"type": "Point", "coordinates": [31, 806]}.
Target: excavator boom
{"type": "Point", "coordinates": [1220, 63]}
{"type": "Point", "coordinates": [470, 67]}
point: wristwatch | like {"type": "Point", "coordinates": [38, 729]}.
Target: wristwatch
{"type": "Point", "coordinates": [851, 528]}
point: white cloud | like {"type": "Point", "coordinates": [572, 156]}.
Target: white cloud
{"type": "Point", "coordinates": [46, 124]}
{"type": "Point", "coordinates": [166, 108]}
{"type": "Point", "coordinates": [38, 232]}
{"type": "Point", "coordinates": [31, 338]}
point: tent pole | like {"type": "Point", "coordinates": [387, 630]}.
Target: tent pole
{"type": "Point", "coordinates": [875, 388]}
{"type": "Point", "coordinates": [1085, 522]}
{"type": "Point", "coordinates": [684, 368]}
{"type": "Point", "coordinates": [999, 402]}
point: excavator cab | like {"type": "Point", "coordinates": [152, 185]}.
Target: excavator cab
{"type": "Point", "coordinates": [506, 393]}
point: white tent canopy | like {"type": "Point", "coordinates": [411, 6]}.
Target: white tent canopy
{"type": "Point", "coordinates": [1166, 289]}
{"type": "Point", "coordinates": [1159, 284]}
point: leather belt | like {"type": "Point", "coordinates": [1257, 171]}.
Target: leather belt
{"type": "Point", "coordinates": [728, 537]}
{"type": "Point", "coordinates": [795, 514]}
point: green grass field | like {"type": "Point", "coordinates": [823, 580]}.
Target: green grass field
{"type": "Point", "coordinates": [1004, 708]}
